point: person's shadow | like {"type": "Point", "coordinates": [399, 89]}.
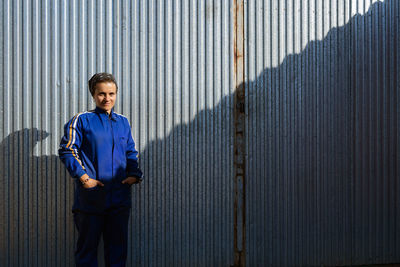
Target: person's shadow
{"type": "Point", "coordinates": [322, 169]}
{"type": "Point", "coordinates": [36, 199]}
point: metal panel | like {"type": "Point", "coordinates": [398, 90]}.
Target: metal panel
{"type": "Point", "coordinates": [173, 61]}
{"type": "Point", "coordinates": [322, 116]}
{"type": "Point", "coordinates": [322, 132]}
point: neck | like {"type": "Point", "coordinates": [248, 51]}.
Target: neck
{"type": "Point", "coordinates": [106, 111]}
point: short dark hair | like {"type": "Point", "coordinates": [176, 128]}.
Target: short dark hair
{"type": "Point", "coordinates": [101, 77]}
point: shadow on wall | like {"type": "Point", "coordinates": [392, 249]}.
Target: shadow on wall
{"type": "Point", "coordinates": [322, 168]}
{"type": "Point", "coordinates": [323, 144]}
{"type": "Point", "coordinates": [322, 161]}
{"type": "Point", "coordinates": [37, 226]}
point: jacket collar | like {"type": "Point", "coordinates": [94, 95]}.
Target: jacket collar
{"type": "Point", "coordinates": [112, 115]}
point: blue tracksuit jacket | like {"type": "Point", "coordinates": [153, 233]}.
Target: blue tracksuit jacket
{"type": "Point", "coordinates": [101, 146]}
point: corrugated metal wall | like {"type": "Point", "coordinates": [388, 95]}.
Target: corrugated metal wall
{"type": "Point", "coordinates": [322, 127]}
{"type": "Point", "coordinates": [322, 132]}
{"type": "Point", "coordinates": [173, 63]}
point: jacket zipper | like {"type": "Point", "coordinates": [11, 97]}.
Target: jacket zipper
{"type": "Point", "coordinates": [112, 150]}
{"type": "Point", "coordinates": [112, 157]}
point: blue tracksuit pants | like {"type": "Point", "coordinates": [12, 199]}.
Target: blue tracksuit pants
{"type": "Point", "coordinates": [113, 225]}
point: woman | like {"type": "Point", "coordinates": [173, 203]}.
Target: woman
{"type": "Point", "coordinates": [98, 151]}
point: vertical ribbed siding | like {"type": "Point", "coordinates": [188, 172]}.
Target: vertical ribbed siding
{"type": "Point", "coordinates": [173, 62]}
{"type": "Point", "coordinates": [322, 132]}
{"type": "Point", "coordinates": [322, 144]}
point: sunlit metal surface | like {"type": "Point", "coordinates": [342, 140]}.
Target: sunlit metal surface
{"type": "Point", "coordinates": [173, 62]}
{"type": "Point", "coordinates": [321, 128]}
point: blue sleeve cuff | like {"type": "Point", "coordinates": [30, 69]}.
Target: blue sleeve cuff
{"type": "Point", "coordinates": [80, 173]}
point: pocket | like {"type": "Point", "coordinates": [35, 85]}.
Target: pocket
{"type": "Point", "coordinates": [91, 188]}
{"type": "Point", "coordinates": [122, 140]}
{"type": "Point", "coordinates": [122, 194]}
{"type": "Point", "coordinates": [93, 196]}
{"type": "Point", "coordinates": [127, 185]}
{"type": "Point", "coordinates": [126, 188]}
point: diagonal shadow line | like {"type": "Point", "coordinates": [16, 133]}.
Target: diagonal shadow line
{"type": "Point", "coordinates": [322, 136]}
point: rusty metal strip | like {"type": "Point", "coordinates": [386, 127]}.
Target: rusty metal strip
{"type": "Point", "coordinates": [239, 139]}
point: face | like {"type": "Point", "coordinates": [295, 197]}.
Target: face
{"type": "Point", "coordinates": [105, 95]}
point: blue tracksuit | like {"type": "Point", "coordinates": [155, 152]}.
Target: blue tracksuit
{"type": "Point", "coordinates": [101, 146]}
